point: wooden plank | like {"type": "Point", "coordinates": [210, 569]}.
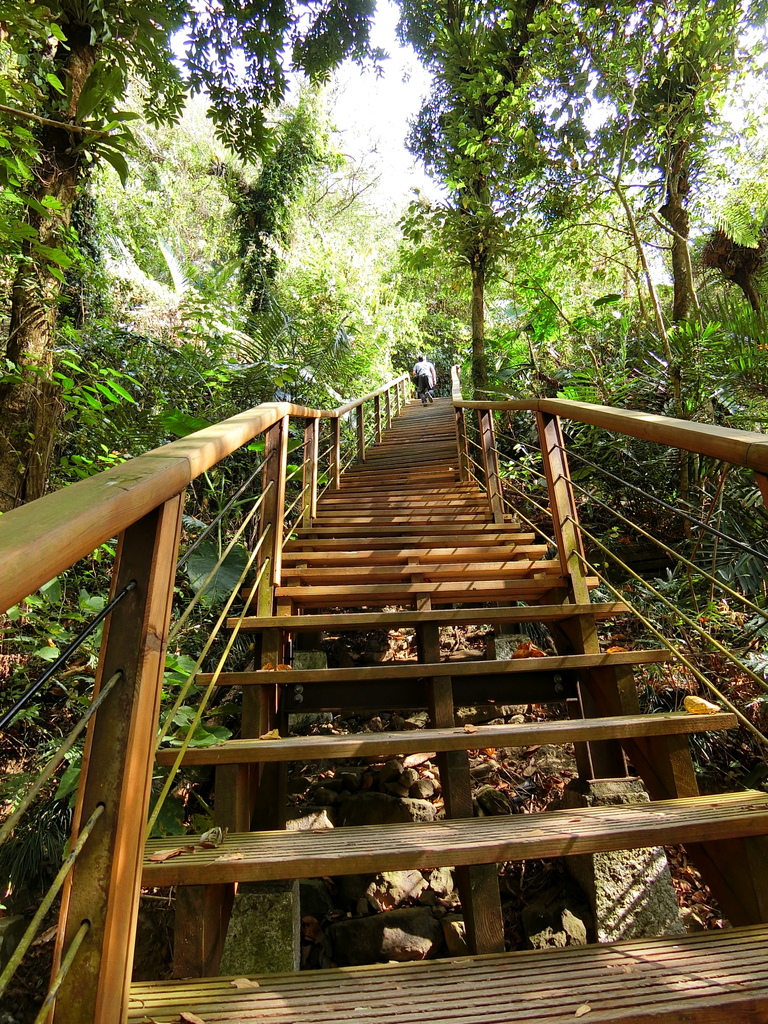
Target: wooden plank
{"type": "Point", "coordinates": [374, 848]}
{"type": "Point", "coordinates": [425, 556]}
{"type": "Point", "coordinates": [713, 978]}
{"type": "Point", "coordinates": [403, 529]}
{"type": "Point", "coordinates": [510, 569]}
{"type": "Point", "coordinates": [361, 594]}
{"type": "Point", "coordinates": [387, 745]}
{"type": "Point", "coordinates": [416, 670]}
{"type": "Point", "coordinates": [342, 621]}
{"type": "Point", "coordinates": [395, 541]}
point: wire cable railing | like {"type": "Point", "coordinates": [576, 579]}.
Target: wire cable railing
{"type": "Point", "coordinates": [34, 925]}
{"type": "Point", "coordinates": [703, 679]}
{"type": "Point", "coordinates": [65, 655]}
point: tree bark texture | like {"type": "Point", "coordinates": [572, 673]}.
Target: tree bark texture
{"type": "Point", "coordinates": [676, 215]}
{"type": "Point", "coordinates": [479, 367]}
{"type": "Point", "coordinates": [30, 408]}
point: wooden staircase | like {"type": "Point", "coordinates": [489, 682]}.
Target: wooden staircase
{"type": "Point", "coordinates": [406, 542]}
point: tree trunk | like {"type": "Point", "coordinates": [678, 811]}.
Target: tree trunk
{"type": "Point", "coordinates": [676, 215]}
{"type": "Point", "coordinates": [479, 367]}
{"type": "Point", "coordinates": [29, 404]}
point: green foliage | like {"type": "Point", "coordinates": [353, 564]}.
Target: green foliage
{"type": "Point", "coordinates": [204, 563]}
{"type": "Point", "coordinates": [263, 211]}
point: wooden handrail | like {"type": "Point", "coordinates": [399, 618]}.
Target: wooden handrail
{"type": "Point", "coordinates": [740, 447]}
{"type": "Point", "coordinates": [39, 540]}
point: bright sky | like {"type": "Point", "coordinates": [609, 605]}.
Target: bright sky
{"type": "Point", "coordinates": [371, 113]}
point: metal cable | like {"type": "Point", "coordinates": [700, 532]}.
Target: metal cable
{"type": "Point", "coordinates": [205, 697]}
{"type": "Point", "coordinates": [659, 501]}
{"type": "Point", "coordinates": [209, 642]}
{"type": "Point", "coordinates": [686, 618]}
{"type": "Point", "coordinates": [62, 972]}
{"type": "Point", "coordinates": [62, 658]}
{"type": "Point", "coordinates": [10, 823]}
{"type": "Point", "coordinates": [202, 588]}
{"type": "Point", "coordinates": [674, 554]}
{"type": "Point", "coordinates": [29, 935]}
{"type": "Point", "coordinates": [211, 526]}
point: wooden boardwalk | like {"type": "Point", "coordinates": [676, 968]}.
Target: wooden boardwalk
{"type": "Point", "coordinates": [405, 541]}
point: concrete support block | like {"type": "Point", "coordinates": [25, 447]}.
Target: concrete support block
{"type": "Point", "coordinates": [309, 661]}
{"type": "Point", "coordinates": [264, 931]}
{"type": "Point", "coordinates": [630, 891]}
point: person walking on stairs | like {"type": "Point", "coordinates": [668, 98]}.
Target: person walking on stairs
{"type": "Point", "coordinates": [426, 379]}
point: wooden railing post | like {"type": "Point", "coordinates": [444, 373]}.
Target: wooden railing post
{"type": "Point", "coordinates": [377, 417]}
{"type": "Point", "coordinates": [360, 432]}
{"type": "Point", "coordinates": [595, 760]}
{"type": "Point", "coordinates": [491, 464]}
{"type": "Point", "coordinates": [387, 409]}
{"type": "Point", "coordinates": [762, 483]}
{"type": "Point", "coordinates": [462, 443]}
{"type": "Point", "coordinates": [272, 509]}
{"type": "Point", "coordinates": [334, 468]}
{"type": "Point", "coordinates": [309, 471]}
{"type": "Point", "coordinates": [118, 762]}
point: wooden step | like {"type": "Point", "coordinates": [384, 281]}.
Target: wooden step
{"type": "Point", "coordinates": [269, 856]}
{"type": "Point", "coordinates": [504, 542]}
{"type": "Point", "coordinates": [362, 595]}
{"type": "Point", "coordinates": [715, 977]}
{"type": "Point", "coordinates": [450, 669]}
{"type": "Point", "coordinates": [511, 569]}
{"type": "Point", "coordinates": [425, 556]}
{"type": "Point", "coordinates": [437, 530]}
{"type": "Point", "coordinates": [393, 516]}
{"type": "Point", "coordinates": [343, 621]}
{"type": "Point", "coordinates": [392, 744]}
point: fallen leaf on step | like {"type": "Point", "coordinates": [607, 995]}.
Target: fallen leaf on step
{"type": "Point", "coordinates": [269, 667]}
{"type": "Point", "coordinates": [528, 650]}
{"type": "Point", "coordinates": [243, 983]}
{"type": "Point", "coordinates": [190, 1018]}
{"type": "Point", "coordinates": [584, 1008]}
{"type": "Point", "coordinates": [273, 734]}
{"type": "Point", "coordinates": [228, 856]}
{"type": "Point", "coordinates": [162, 855]}
{"type": "Point", "coordinates": [212, 838]}
{"type": "Point", "coordinates": [470, 728]}
{"type": "Point", "coordinates": [699, 706]}
{"type": "Point", "coordinates": [615, 650]}
{"type": "Point", "coordinates": [284, 668]}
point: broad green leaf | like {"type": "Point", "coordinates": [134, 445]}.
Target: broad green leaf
{"type": "Point", "coordinates": [51, 591]}
{"type": "Point", "coordinates": [202, 562]}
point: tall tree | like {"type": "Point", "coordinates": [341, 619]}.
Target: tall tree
{"type": "Point", "coordinates": [474, 127]}
{"type": "Point", "coordinates": [73, 60]}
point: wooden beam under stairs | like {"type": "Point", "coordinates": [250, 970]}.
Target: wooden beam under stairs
{"type": "Point", "coordinates": [269, 856]}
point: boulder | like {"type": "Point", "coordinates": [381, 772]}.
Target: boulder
{"type": "Point", "coordinates": [370, 808]}
{"type": "Point", "coordinates": [413, 933]}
